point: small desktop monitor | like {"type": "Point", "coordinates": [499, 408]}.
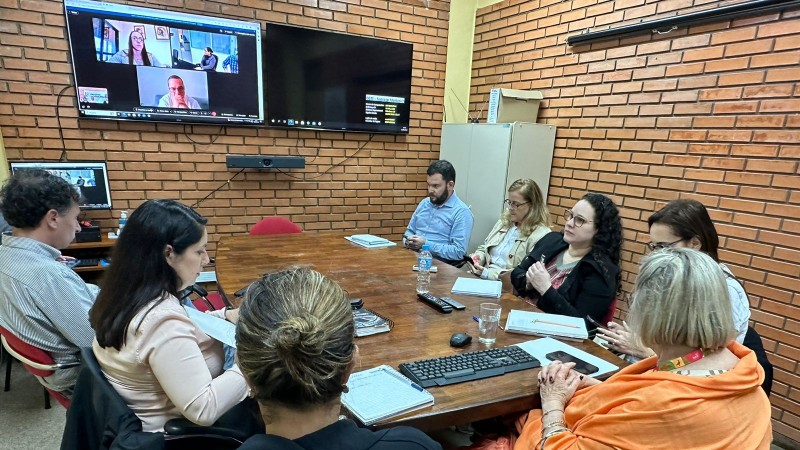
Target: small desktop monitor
{"type": "Point", "coordinates": [89, 178]}
{"type": "Point", "coordinates": [159, 65]}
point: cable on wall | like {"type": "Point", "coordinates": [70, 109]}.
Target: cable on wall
{"type": "Point", "coordinates": [331, 167]}
{"type": "Point", "coordinates": [217, 189]}
{"type": "Point", "coordinates": [63, 156]}
{"type": "Point", "coordinates": [210, 139]}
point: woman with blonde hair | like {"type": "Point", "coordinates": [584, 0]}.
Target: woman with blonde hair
{"type": "Point", "coordinates": [700, 391]}
{"type": "Point", "coordinates": [295, 348]}
{"type": "Point", "coordinates": [524, 221]}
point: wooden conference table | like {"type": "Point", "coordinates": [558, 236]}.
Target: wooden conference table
{"type": "Point", "coordinates": [383, 278]}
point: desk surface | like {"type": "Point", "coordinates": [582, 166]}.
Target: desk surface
{"type": "Point", "coordinates": [384, 279]}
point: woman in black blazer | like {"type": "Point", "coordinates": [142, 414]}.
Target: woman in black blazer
{"type": "Point", "coordinates": [576, 273]}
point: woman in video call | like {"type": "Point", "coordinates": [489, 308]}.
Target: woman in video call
{"type": "Point", "coordinates": [136, 53]}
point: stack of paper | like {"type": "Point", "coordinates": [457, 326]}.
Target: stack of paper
{"type": "Point", "coordinates": [382, 392]}
{"type": "Point", "coordinates": [369, 241]}
{"type": "Point", "coordinates": [477, 287]}
{"type": "Point", "coordinates": [541, 324]}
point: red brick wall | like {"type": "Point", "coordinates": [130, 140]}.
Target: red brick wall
{"type": "Point", "coordinates": [375, 191]}
{"type": "Point", "coordinates": [710, 113]}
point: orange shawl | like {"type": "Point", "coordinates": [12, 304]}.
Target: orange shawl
{"type": "Point", "coordinates": [640, 407]}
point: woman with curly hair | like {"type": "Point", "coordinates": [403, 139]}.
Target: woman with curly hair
{"type": "Point", "coordinates": [575, 273]}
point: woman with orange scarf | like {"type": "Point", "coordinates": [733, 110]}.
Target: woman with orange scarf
{"type": "Point", "coordinates": [701, 390]}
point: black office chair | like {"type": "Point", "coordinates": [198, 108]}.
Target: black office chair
{"type": "Point", "coordinates": [99, 419]}
{"type": "Point", "coordinates": [752, 340]}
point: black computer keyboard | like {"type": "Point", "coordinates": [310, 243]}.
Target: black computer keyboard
{"type": "Point", "coordinates": [468, 366]}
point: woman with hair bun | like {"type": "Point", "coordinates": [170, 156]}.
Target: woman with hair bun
{"type": "Point", "coordinates": [295, 348]}
{"type": "Point", "coordinates": [576, 273]}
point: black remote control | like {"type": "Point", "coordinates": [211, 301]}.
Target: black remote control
{"type": "Point", "coordinates": [435, 302]}
{"type": "Point", "coordinates": [452, 302]}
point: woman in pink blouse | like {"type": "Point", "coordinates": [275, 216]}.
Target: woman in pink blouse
{"type": "Point", "coordinates": [150, 351]}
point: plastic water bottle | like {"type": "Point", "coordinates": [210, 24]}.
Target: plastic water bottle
{"type": "Point", "coordinates": [424, 261]}
{"type": "Point", "coordinates": [123, 219]}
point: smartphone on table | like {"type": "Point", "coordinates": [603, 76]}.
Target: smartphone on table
{"type": "Point", "coordinates": [581, 366]}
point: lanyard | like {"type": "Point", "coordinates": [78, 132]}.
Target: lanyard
{"type": "Point", "coordinates": [677, 363]}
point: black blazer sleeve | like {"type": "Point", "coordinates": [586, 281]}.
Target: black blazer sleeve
{"type": "Point", "coordinates": [547, 246]}
{"type": "Point", "coordinates": [591, 293]}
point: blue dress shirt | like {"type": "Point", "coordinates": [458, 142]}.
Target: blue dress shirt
{"type": "Point", "coordinates": [446, 228]}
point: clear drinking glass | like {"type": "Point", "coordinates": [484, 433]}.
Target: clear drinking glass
{"type": "Point", "coordinates": [488, 321]}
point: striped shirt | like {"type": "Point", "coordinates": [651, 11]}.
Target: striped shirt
{"type": "Point", "coordinates": [45, 303]}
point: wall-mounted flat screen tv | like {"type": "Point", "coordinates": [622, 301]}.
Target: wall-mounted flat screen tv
{"type": "Point", "coordinates": [134, 63]}
{"type": "Point", "coordinates": [332, 81]}
{"type": "Point", "coordinates": [89, 178]}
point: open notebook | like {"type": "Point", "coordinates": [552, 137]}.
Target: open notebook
{"type": "Point", "coordinates": [369, 241]}
{"type": "Point", "coordinates": [382, 392]}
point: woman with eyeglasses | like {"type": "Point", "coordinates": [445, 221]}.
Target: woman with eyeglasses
{"type": "Point", "coordinates": [683, 224]}
{"type": "Point", "coordinates": [575, 273]}
{"type": "Point", "coordinates": [136, 53]}
{"type": "Point", "coordinates": [524, 221]}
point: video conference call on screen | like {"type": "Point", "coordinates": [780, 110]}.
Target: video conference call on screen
{"type": "Point", "coordinates": [141, 64]}
{"type": "Point", "coordinates": [88, 178]}
{"type": "Point", "coordinates": [133, 63]}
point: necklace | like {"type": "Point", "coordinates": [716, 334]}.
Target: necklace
{"type": "Point", "coordinates": [677, 363]}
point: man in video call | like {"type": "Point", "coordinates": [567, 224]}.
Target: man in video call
{"type": "Point", "coordinates": [177, 98]}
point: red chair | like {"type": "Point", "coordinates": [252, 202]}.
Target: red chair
{"type": "Point", "coordinates": [611, 310]}
{"type": "Point", "coordinates": [214, 299]}
{"type": "Point", "coordinates": [37, 361]}
{"type": "Point", "coordinates": [274, 225]}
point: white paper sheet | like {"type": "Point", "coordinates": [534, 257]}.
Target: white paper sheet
{"type": "Point", "coordinates": [539, 348]}
{"type": "Point", "coordinates": [217, 328]}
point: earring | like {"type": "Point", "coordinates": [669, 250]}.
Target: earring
{"type": "Point", "coordinates": [345, 389]}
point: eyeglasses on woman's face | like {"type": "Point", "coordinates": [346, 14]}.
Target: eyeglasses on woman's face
{"type": "Point", "coordinates": [578, 221]}
{"type": "Point", "coordinates": [137, 38]}
{"type": "Point", "coordinates": [512, 204]}
{"type": "Point", "coordinates": [659, 245]}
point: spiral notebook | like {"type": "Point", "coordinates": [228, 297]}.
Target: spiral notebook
{"type": "Point", "coordinates": [382, 392]}
{"type": "Point", "coordinates": [368, 322]}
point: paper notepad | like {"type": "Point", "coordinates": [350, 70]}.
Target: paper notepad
{"type": "Point", "coordinates": [217, 328]}
{"type": "Point", "coordinates": [529, 322]}
{"type": "Point", "coordinates": [382, 392]}
{"type": "Point", "coordinates": [369, 241]}
{"type": "Point", "coordinates": [478, 287]}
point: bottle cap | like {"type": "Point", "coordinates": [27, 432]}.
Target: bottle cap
{"type": "Point", "coordinates": [425, 247]}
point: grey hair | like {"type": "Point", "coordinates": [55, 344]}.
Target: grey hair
{"type": "Point", "coordinates": [681, 298]}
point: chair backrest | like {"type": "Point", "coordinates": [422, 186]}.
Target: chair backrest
{"type": "Point", "coordinates": [99, 418]}
{"type": "Point", "coordinates": [36, 360]}
{"type": "Point", "coordinates": [275, 225]}
{"type": "Point", "coordinates": [611, 310]}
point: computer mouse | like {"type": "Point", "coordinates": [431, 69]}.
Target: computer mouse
{"type": "Point", "coordinates": [459, 340]}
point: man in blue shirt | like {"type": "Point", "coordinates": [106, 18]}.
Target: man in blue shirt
{"type": "Point", "coordinates": [233, 62]}
{"type": "Point", "coordinates": [442, 220]}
